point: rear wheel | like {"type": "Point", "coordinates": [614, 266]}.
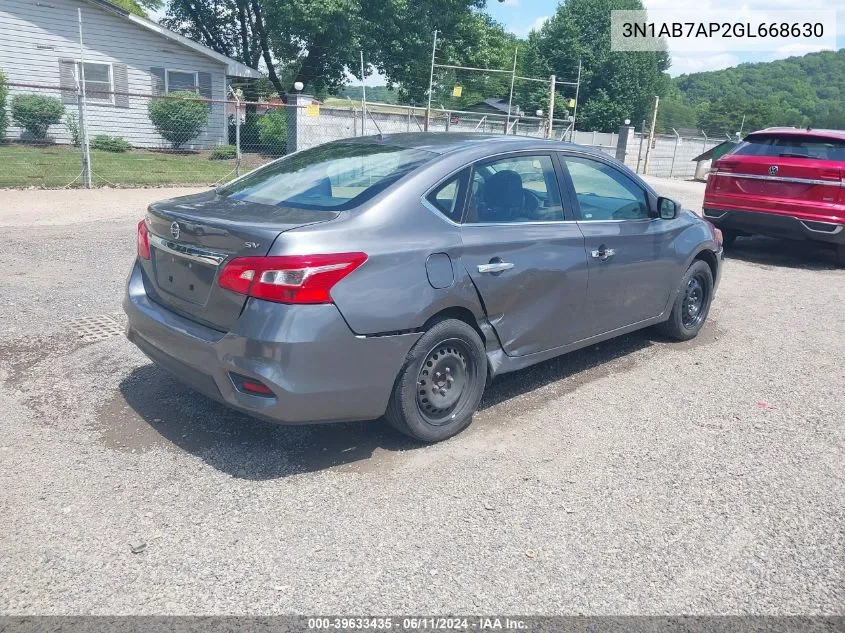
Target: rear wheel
{"type": "Point", "coordinates": [692, 303]}
{"type": "Point", "coordinates": [440, 384]}
{"type": "Point", "coordinates": [840, 254]}
{"type": "Point", "coordinates": [729, 237]}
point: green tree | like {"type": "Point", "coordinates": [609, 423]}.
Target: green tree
{"type": "Point", "coordinates": [318, 42]}
{"type": "Point", "coordinates": [139, 7]}
{"type": "Point", "coordinates": [799, 91]}
{"type": "Point", "coordinates": [179, 117]}
{"type": "Point", "coordinates": [614, 85]}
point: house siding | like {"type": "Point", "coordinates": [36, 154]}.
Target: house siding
{"type": "Point", "coordinates": [39, 33]}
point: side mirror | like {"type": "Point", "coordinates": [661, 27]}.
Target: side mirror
{"type": "Point", "coordinates": [668, 208]}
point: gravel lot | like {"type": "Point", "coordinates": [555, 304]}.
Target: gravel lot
{"type": "Point", "coordinates": [635, 477]}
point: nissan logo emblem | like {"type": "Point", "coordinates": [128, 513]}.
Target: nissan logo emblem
{"type": "Point", "coordinates": [773, 170]}
{"type": "Point", "coordinates": [174, 230]}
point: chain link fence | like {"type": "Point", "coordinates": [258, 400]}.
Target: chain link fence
{"type": "Point", "coordinates": [60, 138]}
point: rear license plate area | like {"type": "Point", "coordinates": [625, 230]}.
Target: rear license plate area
{"type": "Point", "coordinates": [184, 278]}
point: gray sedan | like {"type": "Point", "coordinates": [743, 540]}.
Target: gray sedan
{"type": "Point", "coordinates": [397, 275]}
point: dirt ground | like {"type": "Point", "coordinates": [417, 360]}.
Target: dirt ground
{"type": "Point", "coordinates": [638, 476]}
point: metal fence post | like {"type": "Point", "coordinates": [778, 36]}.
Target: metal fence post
{"type": "Point", "coordinates": [674, 152]}
{"type": "Point", "coordinates": [237, 132]}
{"type": "Point", "coordinates": [640, 153]}
{"type": "Point", "coordinates": [83, 110]}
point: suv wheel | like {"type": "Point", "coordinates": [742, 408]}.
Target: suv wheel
{"type": "Point", "coordinates": [692, 303]}
{"type": "Point", "coordinates": [441, 383]}
{"type": "Point", "coordinates": [840, 254]}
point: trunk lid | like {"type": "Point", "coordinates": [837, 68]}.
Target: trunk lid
{"type": "Point", "coordinates": [192, 237]}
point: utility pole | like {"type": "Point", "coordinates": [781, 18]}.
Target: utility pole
{"type": "Point", "coordinates": [510, 98]}
{"type": "Point", "coordinates": [551, 106]}
{"type": "Point", "coordinates": [651, 134]}
{"type": "Point", "coordinates": [575, 109]}
{"type": "Point", "coordinates": [363, 96]}
{"type": "Point", "coordinates": [430, 82]}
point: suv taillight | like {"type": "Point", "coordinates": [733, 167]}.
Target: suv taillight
{"type": "Point", "coordinates": [143, 240]}
{"type": "Point", "coordinates": [289, 278]}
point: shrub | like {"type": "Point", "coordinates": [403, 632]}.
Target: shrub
{"type": "Point", "coordinates": [223, 152]}
{"type": "Point", "coordinates": [72, 125]}
{"type": "Point", "coordinates": [178, 119]}
{"type": "Point", "coordinates": [108, 143]}
{"type": "Point", "coordinates": [273, 131]}
{"type": "Point", "coordinates": [36, 113]}
{"type": "Point", "coordinates": [4, 119]}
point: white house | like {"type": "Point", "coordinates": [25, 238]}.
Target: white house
{"type": "Point", "coordinates": [127, 60]}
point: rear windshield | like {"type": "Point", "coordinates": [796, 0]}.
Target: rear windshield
{"type": "Point", "coordinates": [335, 176]}
{"type": "Point", "coordinates": [793, 146]}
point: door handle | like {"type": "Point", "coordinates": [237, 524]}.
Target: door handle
{"type": "Point", "coordinates": [494, 267]}
{"type": "Point", "coordinates": [603, 253]}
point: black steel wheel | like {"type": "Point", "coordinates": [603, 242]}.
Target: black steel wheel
{"type": "Point", "coordinates": [696, 296]}
{"type": "Point", "coordinates": [692, 303]}
{"type": "Point", "coordinates": [445, 374]}
{"type": "Point", "coordinates": [441, 383]}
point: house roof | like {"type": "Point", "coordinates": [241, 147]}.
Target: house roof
{"type": "Point", "coordinates": [234, 68]}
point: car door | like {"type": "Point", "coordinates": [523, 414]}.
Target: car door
{"type": "Point", "coordinates": [526, 260]}
{"type": "Point", "coordinates": [629, 250]}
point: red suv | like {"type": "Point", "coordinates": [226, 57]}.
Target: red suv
{"type": "Point", "coordinates": [781, 182]}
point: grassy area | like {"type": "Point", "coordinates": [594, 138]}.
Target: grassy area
{"type": "Point", "coordinates": [56, 166]}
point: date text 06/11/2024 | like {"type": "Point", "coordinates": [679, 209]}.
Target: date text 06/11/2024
{"type": "Point", "coordinates": [478, 623]}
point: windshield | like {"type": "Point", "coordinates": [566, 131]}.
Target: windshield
{"type": "Point", "coordinates": [793, 146]}
{"type": "Point", "coordinates": [335, 176]}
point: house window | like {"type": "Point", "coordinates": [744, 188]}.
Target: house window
{"type": "Point", "coordinates": [181, 80]}
{"type": "Point", "coordinates": [98, 82]}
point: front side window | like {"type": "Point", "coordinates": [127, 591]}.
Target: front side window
{"type": "Point", "coordinates": [515, 189]}
{"type": "Point", "coordinates": [97, 81]}
{"type": "Point", "coordinates": [604, 193]}
{"type": "Point", "coordinates": [334, 176]}
{"type": "Point", "coordinates": [178, 80]}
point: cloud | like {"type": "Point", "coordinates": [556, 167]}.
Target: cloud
{"type": "Point", "coordinates": [524, 30]}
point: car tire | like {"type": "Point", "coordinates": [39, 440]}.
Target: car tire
{"type": "Point", "coordinates": [729, 237]}
{"type": "Point", "coordinates": [440, 384]}
{"type": "Point", "coordinates": [840, 254]}
{"type": "Point", "coordinates": [689, 312]}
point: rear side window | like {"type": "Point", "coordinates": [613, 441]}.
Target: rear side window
{"type": "Point", "coordinates": [792, 146]}
{"type": "Point", "coordinates": [447, 197]}
{"type": "Point", "coordinates": [331, 177]}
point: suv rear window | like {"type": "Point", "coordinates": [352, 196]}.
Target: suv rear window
{"type": "Point", "coordinates": [331, 177]}
{"type": "Point", "coordinates": [792, 146]}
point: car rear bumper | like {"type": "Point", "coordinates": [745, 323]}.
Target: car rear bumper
{"type": "Point", "coordinates": [317, 369]}
{"type": "Point", "coordinates": [776, 225]}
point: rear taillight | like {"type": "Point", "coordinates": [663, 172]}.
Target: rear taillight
{"type": "Point", "coordinates": [143, 240]}
{"type": "Point", "coordinates": [289, 278]}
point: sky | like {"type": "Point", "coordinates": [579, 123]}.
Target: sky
{"type": "Point", "coordinates": [521, 16]}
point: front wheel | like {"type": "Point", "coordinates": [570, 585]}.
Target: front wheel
{"type": "Point", "coordinates": [692, 303]}
{"type": "Point", "coordinates": [440, 384]}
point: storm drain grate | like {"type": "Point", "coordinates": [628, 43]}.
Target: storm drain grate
{"type": "Point", "coordinates": [96, 328]}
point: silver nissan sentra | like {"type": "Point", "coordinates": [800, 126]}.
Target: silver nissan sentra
{"type": "Point", "coordinates": [397, 275]}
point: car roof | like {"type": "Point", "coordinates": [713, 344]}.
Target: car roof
{"type": "Point", "coordinates": [449, 142]}
{"type": "Point", "coordinates": [794, 131]}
